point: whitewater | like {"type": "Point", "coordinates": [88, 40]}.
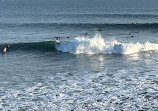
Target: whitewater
{"type": "Point", "coordinates": [112, 69]}
{"type": "Point", "coordinates": [97, 45]}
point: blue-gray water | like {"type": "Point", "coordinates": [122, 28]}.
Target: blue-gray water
{"type": "Point", "coordinates": [112, 69]}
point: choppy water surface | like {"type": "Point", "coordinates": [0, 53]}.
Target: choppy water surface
{"type": "Point", "coordinates": [67, 82]}
{"type": "Point", "coordinates": [112, 69]}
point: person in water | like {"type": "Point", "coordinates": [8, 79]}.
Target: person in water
{"type": "Point", "coordinates": [57, 40]}
{"type": "Point", "coordinates": [99, 29]}
{"type": "Point", "coordinates": [86, 34]}
{"type": "Point", "coordinates": [132, 36]}
{"type": "Point", "coordinates": [4, 50]}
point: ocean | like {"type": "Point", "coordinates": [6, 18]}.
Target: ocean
{"type": "Point", "coordinates": [111, 69]}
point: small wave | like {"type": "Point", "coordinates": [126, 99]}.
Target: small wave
{"type": "Point", "coordinates": [38, 46]}
{"type": "Point", "coordinates": [97, 45]}
{"type": "Point", "coordinates": [84, 25]}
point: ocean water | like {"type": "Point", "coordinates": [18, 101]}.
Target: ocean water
{"type": "Point", "coordinates": [89, 70]}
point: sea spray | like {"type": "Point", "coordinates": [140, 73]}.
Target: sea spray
{"type": "Point", "coordinates": [83, 45]}
{"type": "Point", "coordinates": [97, 45]}
{"type": "Point", "coordinates": [90, 46]}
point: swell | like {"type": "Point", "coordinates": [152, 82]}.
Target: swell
{"type": "Point", "coordinates": [34, 46]}
{"type": "Point", "coordinates": [82, 25]}
{"type": "Point", "coordinates": [68, 15]}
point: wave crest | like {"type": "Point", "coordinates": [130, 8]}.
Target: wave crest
{"type": "Point", "coordinates": [97, 45]}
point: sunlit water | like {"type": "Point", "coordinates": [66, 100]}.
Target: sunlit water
{"type": "Point", "coordinates": [102, 70]}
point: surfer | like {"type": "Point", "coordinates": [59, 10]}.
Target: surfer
{"type": "Point", "coordinates": [99, 29]}
{"type": "Point", "coordinates": [86, 34]}
{"type": "Point", "coordinates": [57, 40]}
{"type": "Point", "coordinates": [4, 50]}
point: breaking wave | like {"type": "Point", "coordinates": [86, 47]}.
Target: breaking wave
{"type": "Point", "coordinates": [97, 45]}
{"type": "Point", "coordinates": [85, 45]}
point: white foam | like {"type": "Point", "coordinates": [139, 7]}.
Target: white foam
{"type": "Point", "coordinates": [97, 45]}
{"type": "Point", "coordinates": [125, 90]}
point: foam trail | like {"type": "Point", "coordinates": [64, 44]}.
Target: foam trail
{"type": "Point", "coordinates": [97, 45]}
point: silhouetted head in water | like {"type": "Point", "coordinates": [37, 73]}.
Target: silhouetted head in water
{"type": "Point", "coordinates": [7, 46]}
{"type": "Point", "coordinates": [57, 38]}
{"type": "Point", "coordinates": [86, 34]}
{"type": "Point", "coordinates": [99, 29]}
